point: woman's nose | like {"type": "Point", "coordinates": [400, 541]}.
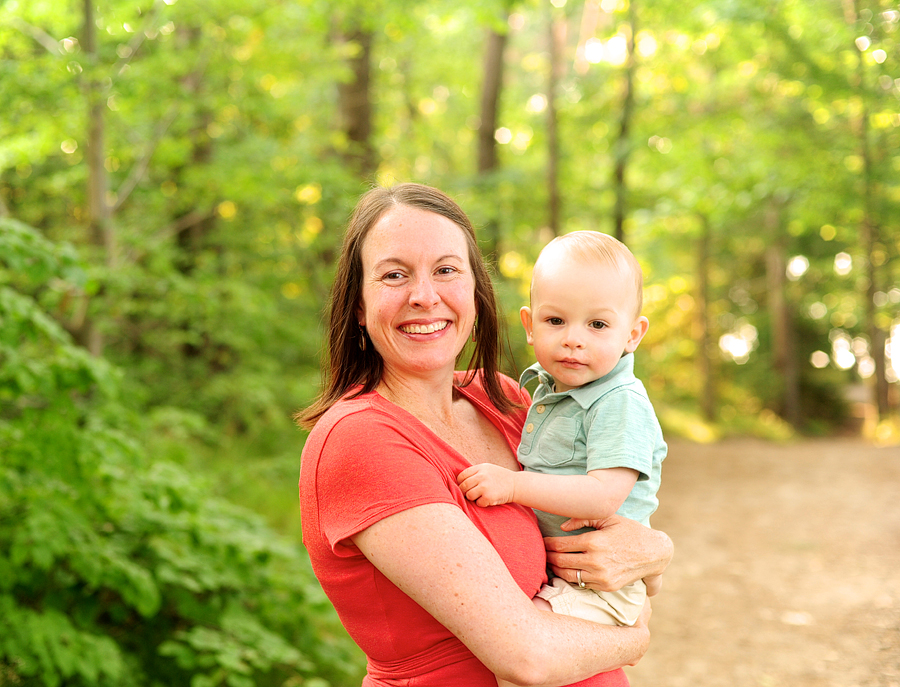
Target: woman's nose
{"type": "Point", "coordinates": [423, 293]}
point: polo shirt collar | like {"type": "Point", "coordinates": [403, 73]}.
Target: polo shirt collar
{"type": "Point", "coordinates": [586, 395]}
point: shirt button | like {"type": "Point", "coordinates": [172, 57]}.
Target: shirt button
{"type": "Point", "coordinates": [541, 408]}
{"type": "Point", "coordinates": [530, 427]}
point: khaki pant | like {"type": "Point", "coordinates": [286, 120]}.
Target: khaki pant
{"type": "Point", "coordinates": [607, 608]}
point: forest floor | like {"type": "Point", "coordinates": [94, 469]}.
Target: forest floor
{"type": "Point", "coordinates": [786, 569]}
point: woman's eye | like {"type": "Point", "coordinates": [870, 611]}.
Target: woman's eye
{"type": "Point", "coordinates": [446, 270]}
{"type": "Point", "coordinates": [393, 276]}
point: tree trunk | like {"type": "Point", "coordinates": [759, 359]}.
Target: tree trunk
{"type": "Point", "coordinates": [783, 345]}
{"type": "Point", "coordinates": [356, 104]}
{"type": "Point", "coordinates": [99, 216]}
{"type": "Point", "coordinates": [98, 211]}
{"type": "Point", "coordinates": [623, 144]}
{"type": "Point", "coordinates": [557, 42]}
{"type": "Point", "coordinates": [593, 17]}
{"type": "Point", "coordinates": [192, 236]}
{"type": "Point", "coordinates": [490, 99]}
{"type": "Point", "coordinates": [869, 233]}
{"type": "Point", "coordinates": [704, 337]}
{"type": "Point", "coordinates": [488, 163]}
{"type": "Point", "coordinates": [870, 236]}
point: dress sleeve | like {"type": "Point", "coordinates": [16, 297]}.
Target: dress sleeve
{"type": "Point", "coordinates": [371, 467]}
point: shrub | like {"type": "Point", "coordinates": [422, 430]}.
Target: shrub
{"type": "Point", "coordinates": [115, 568]}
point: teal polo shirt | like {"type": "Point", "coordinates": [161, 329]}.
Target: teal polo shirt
{"type": "Point", "coordinates": [608, 423]}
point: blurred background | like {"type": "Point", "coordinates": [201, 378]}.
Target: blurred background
{"type": "Point", "coordinates": [175, 176]}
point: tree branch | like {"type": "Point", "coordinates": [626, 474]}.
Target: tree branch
{"type": "Point", "coordinates": [38, 34]}
{"type": "Point", "coordinates": [140, 167]}
{"type": "Point", "coordinates": [183, 223]}
{"type": "Point", "coordinates": [139, 38]}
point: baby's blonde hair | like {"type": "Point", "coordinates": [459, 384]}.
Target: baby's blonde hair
{"type": "Point", "coordinates": [593, 246]}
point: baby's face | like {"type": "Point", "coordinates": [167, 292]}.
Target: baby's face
{"type": "Point", "coordinates": [582, 319]}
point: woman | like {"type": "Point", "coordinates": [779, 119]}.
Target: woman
{"type": "Point", "coordinates": [434, 589]}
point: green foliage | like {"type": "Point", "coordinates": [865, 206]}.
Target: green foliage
{"type": "Point", "coordinates": [223, 154]}
{"type": "Point", "coordinates": [117, 568]}
{"type": "Point", "coordinates": [224, 147]}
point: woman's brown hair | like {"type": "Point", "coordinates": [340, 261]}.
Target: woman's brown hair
{"type": "Point", "coordinates": [352, 364]}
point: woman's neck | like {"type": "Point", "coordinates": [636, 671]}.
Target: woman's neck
{"type": "Point", "coordinates": [447, 412]}
{"type": "Point", "coordinates": [429, 398]}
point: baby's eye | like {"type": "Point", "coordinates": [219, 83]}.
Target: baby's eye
{"type": "Point", "coordinates": [597, 324]}
{"type": "Point", "coordinates": [555, 321]}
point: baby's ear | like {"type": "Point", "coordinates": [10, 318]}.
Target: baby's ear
{"type": "Point", "coordinates": [525, 316]}
{"type": "Point", "coordinates": [638, 330]}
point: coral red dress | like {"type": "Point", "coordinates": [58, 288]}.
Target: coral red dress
{"type": "Point", "coordinates": [367, 459]}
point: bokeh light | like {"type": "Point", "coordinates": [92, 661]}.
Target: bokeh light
{"type": "Point", "coordinates": [843, 264]}
{"type": "Point", "coordinates": [819, 359]}
{"type": "Point", "coordinates": [797, 267]}
{"type": "Point", "coordinates": [739, 343]}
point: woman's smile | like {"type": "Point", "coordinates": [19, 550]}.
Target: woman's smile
{"type": "Point", "coordinates": [424, 328]}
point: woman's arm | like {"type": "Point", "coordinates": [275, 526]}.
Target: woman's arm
{"type": "Point", "coordinates": [620, 551]}
{"type": "Point", "coordinates": [441, 560]}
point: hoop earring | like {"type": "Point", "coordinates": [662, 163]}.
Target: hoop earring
{"type": "Point", "coordinates": [362, 339]}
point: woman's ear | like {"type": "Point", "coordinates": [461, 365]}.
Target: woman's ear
{"type": "Point", "coordinates": [525, 316]}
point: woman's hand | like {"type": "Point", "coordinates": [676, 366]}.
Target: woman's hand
{"type": "Point", "coordinates": [620, 551]}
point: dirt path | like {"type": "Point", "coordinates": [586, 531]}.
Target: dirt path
{"type": "Point", "coordinates": [787, 567]}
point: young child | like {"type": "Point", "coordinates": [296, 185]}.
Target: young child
{"type": "Point", "coordinates": [591, 445]}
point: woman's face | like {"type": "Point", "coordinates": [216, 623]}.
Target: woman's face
{"type": "Point", "coordinates": [418, 292]}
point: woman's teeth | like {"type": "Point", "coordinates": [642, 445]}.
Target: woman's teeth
{"type": "Point", "coordinates": [424, 328]}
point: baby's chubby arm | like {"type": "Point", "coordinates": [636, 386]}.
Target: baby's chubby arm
{"type": "Point", "coordinates": [596, 495]}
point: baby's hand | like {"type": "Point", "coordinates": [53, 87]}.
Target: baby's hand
{"type": "Point", "coordinates": [487, 484]}
{"type": "Point", "coordinates": [573, 524]}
